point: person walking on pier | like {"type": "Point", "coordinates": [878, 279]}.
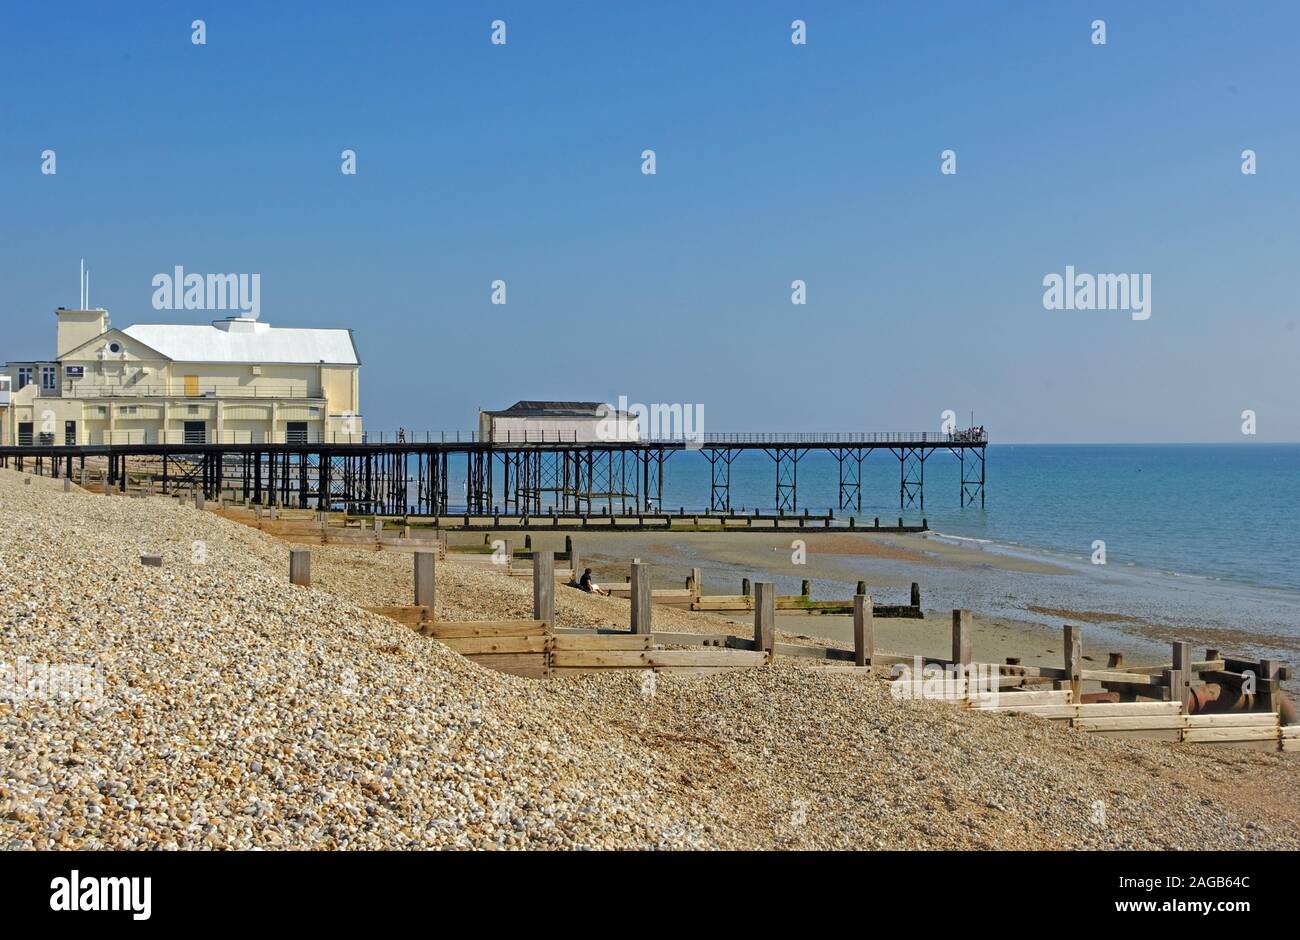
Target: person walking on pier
{"type": "Point", "coordinates": [590, 586]}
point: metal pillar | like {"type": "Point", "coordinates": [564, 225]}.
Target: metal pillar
{"type": "Point", "coordinates": [972, 480]}
{"type": "Point", "coordinates": [787, 476]}
{"type": "Point", "coordinates": [911, 484]}
{"type": "Point", "coordinates": [720, 472]}
{"type": "Point", "coordinates": [850, 471]}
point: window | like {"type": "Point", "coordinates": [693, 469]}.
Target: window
{"type": "Point", "coordinates": [24, 376]}
{"type": "Point", "coordinates": [49, 381]}
{"type": "Point", "coordinates": [115, 348]}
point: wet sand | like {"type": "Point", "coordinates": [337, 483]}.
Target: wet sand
{"type": "Point", "coordinates": [1020, 603]}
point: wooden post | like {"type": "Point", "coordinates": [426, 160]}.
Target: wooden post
{"type": "Point", "coordinates": [639, 579]}
{"type": "Point", "coordinates": [199, 499]}
{"type": "Point", "coordinates": [1180, 672]}
{"type": "Point", "coordinates": [574, 561]}
{"type": "Point", "coordinates": [864, 640]}
{"type": "Point", "coordinates": [1114, 660]}
{"type": "Point", "coordinates": [695, 582]}
{"type": "Point", "coordinates": [764, 616]}
{"type": "Point", "coordinates": [1266, 685]}
{"type": "Point", "coordinates": [862, 587]}
{"type": "Point", "coordinates": [379, 526]}
{"type": "Point", "coordinates": [151, 561]}
{"type": "Point", "coordinates": [805, 588]}
{"type": "Point", "coordinates": [67, 484]}
{"type": "Point", "coordinates": [916, 594]}
{"type": "Point", "coordinates": [1074, 660]}
{"type": "Point", "coordinates": [300, 567]}
{"type": "Point", "coordinates": [425, 589]}
{"type": "Point", "coordinates": [544, 586]}
{"type": "Point", "coordinates": [744, 586]}
{"type": "Point", "coordinates": [961, 637]}
{"type": "Point", "coordinates": [509, 553]}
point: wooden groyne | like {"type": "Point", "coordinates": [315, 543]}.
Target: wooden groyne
{"type": "Point", "coordinates": [1215, 700]}
{"type": "Point", "coordinates": [1218, 699]}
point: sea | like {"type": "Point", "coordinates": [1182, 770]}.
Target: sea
{"type": "Point", "coordinates": [1216, 511]}
{"type": "Point", "coordinates": [1201, 535]}
{"type": "Point", "coordinates": [1197, 534]}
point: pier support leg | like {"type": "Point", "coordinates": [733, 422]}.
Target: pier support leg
{"type": "Point", "coordinates": [720, 472]}
{"type": "Point", "coordinates": [787, 476]}
{"type": "Point", "coordinates": [911, 484]}
{"type": "Point", "coordinates": [850, 460]}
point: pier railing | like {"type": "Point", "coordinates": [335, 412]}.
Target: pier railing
{"type": "Point", "coordinates": [712, 439]}
{"type": "Point", "coordinates": [969, 436]}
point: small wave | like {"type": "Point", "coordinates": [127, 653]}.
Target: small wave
{"type": "Point", "coordinates": [958, 538]}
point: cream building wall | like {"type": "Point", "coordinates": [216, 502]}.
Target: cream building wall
{"type": "Point", "coordinates": [617, 427]}
{"type": "Point", "coordinates": [116, 388]}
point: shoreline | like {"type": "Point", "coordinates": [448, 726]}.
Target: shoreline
{"type": "Point", "coordinates": [1020, 602]}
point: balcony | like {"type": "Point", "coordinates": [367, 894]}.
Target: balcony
{"type": "Point", "coordinates": [188, 391]}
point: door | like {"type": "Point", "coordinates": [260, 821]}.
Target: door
{"type": "Point", "coordinates": [192, 386]}
{"type": "Point", "coordinates": [196, 432]}
{"type": "Point", "coordinates": [295, 432]}
{"type": "Point", "coordinates": [70, 432]}
{"type": "Point", "coordinates": [24, 434]}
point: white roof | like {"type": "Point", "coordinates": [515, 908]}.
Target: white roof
{"type": "Point", "coordinates": [243, 340]}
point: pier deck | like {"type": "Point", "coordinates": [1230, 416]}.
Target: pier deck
{"type": "Point", "coordinates": [513, 478]}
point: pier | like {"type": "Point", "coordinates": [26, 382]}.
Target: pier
{"type": "Point", "coordinates": [571, 480]}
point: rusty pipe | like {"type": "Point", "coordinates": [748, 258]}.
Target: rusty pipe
{"type": "Point", "coordinates": [1092, 698]}
{"type": "Point", "coordinates": [1214, 697]}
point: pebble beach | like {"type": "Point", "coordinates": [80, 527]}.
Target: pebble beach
{"type": "Point", "coordinates": [238, 711]}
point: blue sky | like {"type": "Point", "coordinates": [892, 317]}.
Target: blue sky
{"type": "Point", "coordinates": [775, 162]}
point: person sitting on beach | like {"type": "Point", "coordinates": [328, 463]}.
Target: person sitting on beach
{"type": "Point", "coordinates": [590, 586]}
